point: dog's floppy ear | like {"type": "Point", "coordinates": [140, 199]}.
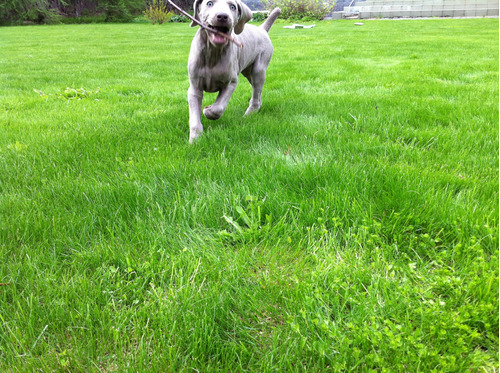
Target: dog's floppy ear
{"type": "Point", "coordinates": [196, 7]}
{"type": "Point", "coordinates": [245, 15]}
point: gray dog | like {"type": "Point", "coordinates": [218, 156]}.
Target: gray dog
{"type": "Point", "coordinates": [215, 63]}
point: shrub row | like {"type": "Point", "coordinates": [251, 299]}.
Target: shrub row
{"type": "Point", "coordinates": [302, 9]}
{"type": "Point", "coordinates": [157, 11]}
{"type": "Point", "coordinates": [75, 11]}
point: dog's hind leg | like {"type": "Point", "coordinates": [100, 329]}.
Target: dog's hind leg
{"type": "Point", "coordinates": [257, 77]}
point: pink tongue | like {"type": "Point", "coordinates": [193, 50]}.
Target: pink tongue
{"type": "Point", "coordinates": [217, 39]}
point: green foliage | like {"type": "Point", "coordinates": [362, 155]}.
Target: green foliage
{"type": "Point", "coordinates": [259, 17]}
{"type": "Point", "coordinates": [69, 11]}
{"type": "Point", "coordinates": [180, 18]}
{"type": "Point", "coordinates": [157, 12]}
{"type": "Point", "coordinates": [77, 94]}
{"type": "Point", "coordinates": [28, 11]}
{"type": "Point", "coordinates": [298, 9]}
{"type": "Point", "coordinates": [84, 19]}
{"type": "Point", "coordinates": [116, 11]}
{"type": "Point", "coordinates": [255, 4]}
{"type": "Point", "coordinates": [251, 224]}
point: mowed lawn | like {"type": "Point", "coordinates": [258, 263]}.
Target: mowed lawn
{"type": "Point", "coordinates": [350, 225]}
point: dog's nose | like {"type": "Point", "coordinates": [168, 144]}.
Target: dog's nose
{"type": "Point", "coordinates": [222, 17]}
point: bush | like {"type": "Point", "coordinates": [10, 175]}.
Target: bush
{"type": "Point", "coordinates": [29, 11]}
{"type": "Point", "coordinates": [179, 18]}
{"type": "Point", "coordinates": [116, 11]}
{"type": "Point", "coordinates": [298, 9]}
{"type": "Point", "coordinates": [259, 17]}
{"type": "Point", "coordinates": [157, 12]}
{"type": "Point", "coordinates": [68, 11]}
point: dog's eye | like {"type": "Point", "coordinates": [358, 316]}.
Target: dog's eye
{"type": "Point", "coordinates": [233, 7]}
{"type": "Point", "coordinates": [210, 3]}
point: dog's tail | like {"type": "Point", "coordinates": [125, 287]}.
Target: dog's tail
{"type": "Point", "coordinates": [270, 20]}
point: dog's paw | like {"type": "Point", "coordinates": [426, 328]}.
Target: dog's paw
{"type": "Point", "coordinates": [251, 110]}
{"type": "Point", "coordinates": [212, 113]}
{"type": "Point", "coordinates": [253, 106]}
{"type": "Point", "coordinates": [194, 133]}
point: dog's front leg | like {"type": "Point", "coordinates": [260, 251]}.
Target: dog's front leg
{"type": "Point", "coordinates": [195, 98]}
{"type": "Point", "coordinates": [218, 108]}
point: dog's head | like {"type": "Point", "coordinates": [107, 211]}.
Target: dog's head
{"type": "Point", "coordinates": [222, 15]}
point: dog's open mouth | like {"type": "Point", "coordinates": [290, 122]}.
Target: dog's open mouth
{"type": "Point", "coordinates": [218, 39]}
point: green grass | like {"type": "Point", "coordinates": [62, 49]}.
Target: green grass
{"type": "Point", "coordinates": [351, 225]}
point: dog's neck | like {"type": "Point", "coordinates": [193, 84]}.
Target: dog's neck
{"type": "Point", "coordinates": [211, 54]}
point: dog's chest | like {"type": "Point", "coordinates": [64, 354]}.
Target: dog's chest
{"type": "Point", "coordinates": [214, 78]}
{"type": "Point", "coordinates": [212, 70]}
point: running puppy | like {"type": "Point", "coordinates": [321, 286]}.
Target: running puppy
{"type": "Point", "coordinates": [215, 63]}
